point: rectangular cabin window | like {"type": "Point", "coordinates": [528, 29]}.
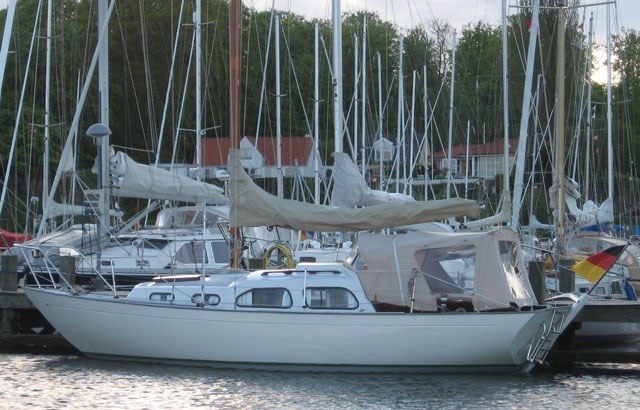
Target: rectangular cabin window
{"type": "Point", "coordinates": [191, 252]}
{"type": "Point", "coordinates": [221, 251]}
{"type": "Point", "coordinates": [198, 219]}
{"type": "Point", "coordinates": [141, 244]}
{"type": "Point", "coordinates": [265, 298]}
{"type": "Point", "coordinates": [184, 217]}
{"type": "Point", "coordinates": [616, 288]}
{"type": "Point", "coordinates": [451, 269]}
{"type": "Point", "coordinates": [330, 298]}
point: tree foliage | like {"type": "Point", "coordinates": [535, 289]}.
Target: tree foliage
{"type": "Point", "coordinates": [152, 109]}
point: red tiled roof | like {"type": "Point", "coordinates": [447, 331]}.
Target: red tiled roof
{"type": "Point", "coordinates": [495, 147]}
{"type": "Point", "coordinates": [295, 150]}
{"type": "Point", "coordinates": [215, 151]}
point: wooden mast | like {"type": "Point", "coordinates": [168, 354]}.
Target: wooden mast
{"type": "Point", "coordinates": [235, 43]}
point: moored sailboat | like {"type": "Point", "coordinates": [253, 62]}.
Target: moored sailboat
{"type": "Point", "coordinates": [442, 301]}
{"type": "Point", "coordinates": [409, 302]}
{"type": "Point", "coordinates": [426, 294]}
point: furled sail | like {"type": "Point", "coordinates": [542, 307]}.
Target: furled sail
{"type": "Point", "coordinates": [135, 180]}
{"type": "Point", "coordinates": [503, 215]}
{"type": "Point", "coordinates": [251, 206]}
{"type": "Point", "coordinates": [350, 188]}
{"type": "Point", "coordinates": [590, 214]}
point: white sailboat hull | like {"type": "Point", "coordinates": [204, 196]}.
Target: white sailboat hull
{"type": "Point", "coordinates": [106, 327]}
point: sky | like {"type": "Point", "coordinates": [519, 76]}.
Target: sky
{"type": "Point", "coordinates": [409, 13]}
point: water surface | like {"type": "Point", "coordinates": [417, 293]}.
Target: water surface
{"type": "Point", "coordinates": [32, 381]}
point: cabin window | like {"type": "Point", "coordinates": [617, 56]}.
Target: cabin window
{"type": "Point", "coordinates": [509, 257]}
{"type": "Point", "coordinates": [616, 288]}
{"type": "Point", "coordinates": [162, 297]}
{"type": "Point", "coordinates": [196, 218]}
{"type": "Point", "coordinates": [221, 252]}
{"type": "Point", "coordinates": [330, 298]}
{"type": "Point", "coordinates": [209, 299]}
{"type": "Point", "coordinates": [191, 252]}
{"type": "Point", "coordinates": [142, 244]}
{"type": "Point", "coordinates": [265, 298]}
{"type": "Point", "coordinates": [450, 269]}
{"type": "Point", "coordinates": [183, 217]}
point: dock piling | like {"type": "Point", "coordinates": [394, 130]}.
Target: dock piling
{"type": "Point", "coordinates": [9, 273]}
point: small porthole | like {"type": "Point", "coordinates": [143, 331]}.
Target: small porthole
{"type": "Point", "coordinates": [210, 300]}
{"type": "Point", "coordinates": [162, 297]}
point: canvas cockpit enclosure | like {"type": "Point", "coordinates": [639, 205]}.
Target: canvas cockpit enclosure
{"type": "Point", "coordinates": [424, 269]}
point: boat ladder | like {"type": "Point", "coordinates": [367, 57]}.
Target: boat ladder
{"type": "Point", "coordinates": [539, 350]}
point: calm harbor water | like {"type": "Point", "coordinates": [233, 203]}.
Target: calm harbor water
{"type": "Point", "coordinates": [36, 381]}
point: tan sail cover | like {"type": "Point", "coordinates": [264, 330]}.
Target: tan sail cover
{"type": "Point", "coordinates": [252, 206]}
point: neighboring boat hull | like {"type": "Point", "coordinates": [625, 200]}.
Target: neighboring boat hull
{"type": "Point", "coordinates": [607, 335]}
{"type": "Point", "coordinates": [105, 327]}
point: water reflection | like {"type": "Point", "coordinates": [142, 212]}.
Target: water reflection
{"type": "Point", "coordinates": [75, 382]}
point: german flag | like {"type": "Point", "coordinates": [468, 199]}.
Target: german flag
{"type": "Point", "coordinates": [595, 266]}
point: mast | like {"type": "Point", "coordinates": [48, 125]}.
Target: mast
{"type": "Point", "coordinates": [560, 130]}
{"type": "Point", "coordinates": [425, 140]}
{"type": "Point", "coordinates": [103, 80]}
{"type": "Point", "coordinates": [589, 113]}
{"type": "Point", "coordinates": [609, 109]}
{"type": "Point", "coordinates": [337, 77]}
{"type": "Point", "coordinates": [235, 43]}
{"type": "Point", "coordinates": [518, 182]}
{"type": "Point", "coordinates": [66, 155]}
{"type": "Point", "coordinates": [364, 97]}
{"type": "Point", "coordinates": [356, 99]}
{"type": "Point", "coordinates": [197, 22]}
{"type": "Point", "coordinates": [412, 132]}
{"type": "Point", "coordinates": [380, 113]}
{"type": "Point", "coordinates": [505, 99]}
{"type": "Point", "coordinates": [449, 148]}
{"type": "Point", "coordinates": [4, 51]}
{"type": "Point", "coordinates": [400, 128]}
{"type": "Point", "coordinates": [278, 113]}
{"type": "Point", "coordinates": [316, 114]}
{"type": "Point", "coordinates": [6, 39]}
{"type": "Point", "coordinates": [47, 107]}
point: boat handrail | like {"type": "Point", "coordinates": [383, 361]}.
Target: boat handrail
{"type": "Point", "coordinates": [303, 271]}
{"type": "Point", "coordinates": [51, 269]}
